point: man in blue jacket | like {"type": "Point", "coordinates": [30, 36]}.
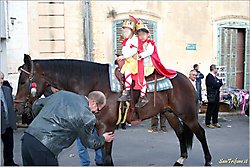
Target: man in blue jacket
{"type": "Point", "coordinates": [199, 77]}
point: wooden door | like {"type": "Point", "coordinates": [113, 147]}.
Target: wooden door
{"type": "Point", "coordinates": [240, 58]}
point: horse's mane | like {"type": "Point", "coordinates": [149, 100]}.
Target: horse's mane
{"type": "Point", "coordinates": [69, 68]}
{"type": "Point", "coordinates": [70, 65]}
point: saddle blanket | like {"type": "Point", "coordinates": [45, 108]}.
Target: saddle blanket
{"type": "Point", "coordinates": [162, 83]}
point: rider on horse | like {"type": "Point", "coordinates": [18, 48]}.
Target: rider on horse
{"type": "Point", "coordinates": [129, 53]}
{"type": "Point", "coordinates": [141, 58]}
{"type": "Point", "coordinates": [149, 56]}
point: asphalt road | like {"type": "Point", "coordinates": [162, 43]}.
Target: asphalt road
{"type": "Point", "coordinates": [134, 146]}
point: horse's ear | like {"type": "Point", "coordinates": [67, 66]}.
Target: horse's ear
{"type": "Point", "coordinates": [27, 60]}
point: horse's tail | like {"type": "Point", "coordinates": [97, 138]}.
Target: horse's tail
{"type": "Point", "coordinates": [188, 136]}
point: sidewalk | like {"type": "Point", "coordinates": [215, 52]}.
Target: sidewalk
{"type": "Point", "coordinates": [224, 114]}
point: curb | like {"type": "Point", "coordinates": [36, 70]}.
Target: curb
{"type": "Point", "coordinates": [222, 114]}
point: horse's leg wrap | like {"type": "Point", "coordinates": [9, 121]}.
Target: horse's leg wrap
{"type": "Point", "coordinates": [180, 161]}
{"type": "Point", "coordinates": [119, 114]}
{"type": "Point", "coordinates": [126, 113]}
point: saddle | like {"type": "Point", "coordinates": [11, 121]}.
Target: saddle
{"type": "Point", "coordinates": [155, 76]}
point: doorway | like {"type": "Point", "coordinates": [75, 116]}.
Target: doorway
{"type": "Point", "coordinates": [233, 55]}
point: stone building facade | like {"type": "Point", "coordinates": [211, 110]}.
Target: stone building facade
{"type": "Point", "coordinates": [186, 32]}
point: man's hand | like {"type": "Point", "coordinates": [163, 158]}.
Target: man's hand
{"type": "Point", "coordinates": [120, 58]}
{"type": "Point", "coordinates": [109, 136]}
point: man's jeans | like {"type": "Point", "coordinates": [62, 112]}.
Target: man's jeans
{"type": "Point", "coordinates": [84, 155]}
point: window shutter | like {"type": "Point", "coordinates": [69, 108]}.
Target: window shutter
{"type": "Point", "coordinates": [247, 60]}
{"type": "Point", "coordinates": [228, 56]}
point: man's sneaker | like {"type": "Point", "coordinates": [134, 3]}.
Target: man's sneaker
{"type": "Point", "coordinates": [143, 100]}
{"type": "Point", "coordinates": [164, 130]}
{"type": "Point", "coordinates": [210, 126]}
{"type": "Point", "coordinates": [217, 125]}
{"type": "Point", "coordinates": [125, 96]}
{"type": "Point", "coordinates": [153, 130]}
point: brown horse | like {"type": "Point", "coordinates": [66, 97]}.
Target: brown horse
{"type": "Point", "coordinates": [82, 77]}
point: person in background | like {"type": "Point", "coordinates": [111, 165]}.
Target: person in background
{"type": "Point", "coordinates": [8, 121]}
{"type": "Point", "coordinates": [192, 78]}
{"type": "Point", "coordinates": [155, 121]}
{"type": "Point", "coordinates": [213, 85]}
{"type": "Point", "coordinates": [6, 83]}
{"type": "Point", "coordinates": [199, 77]}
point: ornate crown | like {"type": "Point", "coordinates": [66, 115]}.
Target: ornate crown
{"type": "Point", "coordinates": [140, 25]}
{"type": "Point", "coordinates": [128, 24]}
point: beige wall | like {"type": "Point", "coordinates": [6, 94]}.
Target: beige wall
{"type": "Point", "coordinates": [178, 23]}
{"type": "Point", "coordinates": [56, 30]}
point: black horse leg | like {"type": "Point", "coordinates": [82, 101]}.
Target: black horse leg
{"type": "Point", "coordinates": [179, 130]}
{"type": "Point", "coordinates": [106, 154]}
{"type": "Point", "coordinates": [200, 134]}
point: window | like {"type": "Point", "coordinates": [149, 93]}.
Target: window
{"type": "Point", "coordinates": [117, 31]}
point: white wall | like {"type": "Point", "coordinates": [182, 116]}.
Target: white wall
{"type": "Point", "coordinates": [17, 44]}
{"type": "Point", "coordinates": [3, 36]}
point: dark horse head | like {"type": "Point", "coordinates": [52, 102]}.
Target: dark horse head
{"type": "Point", "coordinates": [83, 77]}
{"type": "Point", "coordinates": [28, 75]}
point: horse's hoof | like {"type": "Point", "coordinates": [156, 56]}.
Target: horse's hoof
{"type": "Point", "coordinates": [177, 164]}
{"type": "Point", "coordinates": [208, 164]}
{"type": "Point", "coordinates": [123, 126]}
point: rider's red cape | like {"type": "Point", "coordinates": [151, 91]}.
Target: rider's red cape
{"type": "Point", "coordinates": [138, 78]}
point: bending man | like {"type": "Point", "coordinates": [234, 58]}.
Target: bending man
{"type": "Point", "coordinates": [63, 117]}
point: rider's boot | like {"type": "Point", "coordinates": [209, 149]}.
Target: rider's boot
{"type": "Point", "coordinates": [125, 96]}
{"type": "Point", "coordinates": [143, 100]}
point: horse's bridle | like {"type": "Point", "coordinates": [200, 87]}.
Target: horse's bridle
{"type": "Point", "coordinates": [27, 104]}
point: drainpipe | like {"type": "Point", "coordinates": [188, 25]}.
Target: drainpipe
{"type": "Point", "coordinates": [87, 29]}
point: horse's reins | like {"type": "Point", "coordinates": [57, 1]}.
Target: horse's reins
{"type": "Point", "coordinates": [23, 70]}
{"type": "Point", "coordinates": [31, 77]}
